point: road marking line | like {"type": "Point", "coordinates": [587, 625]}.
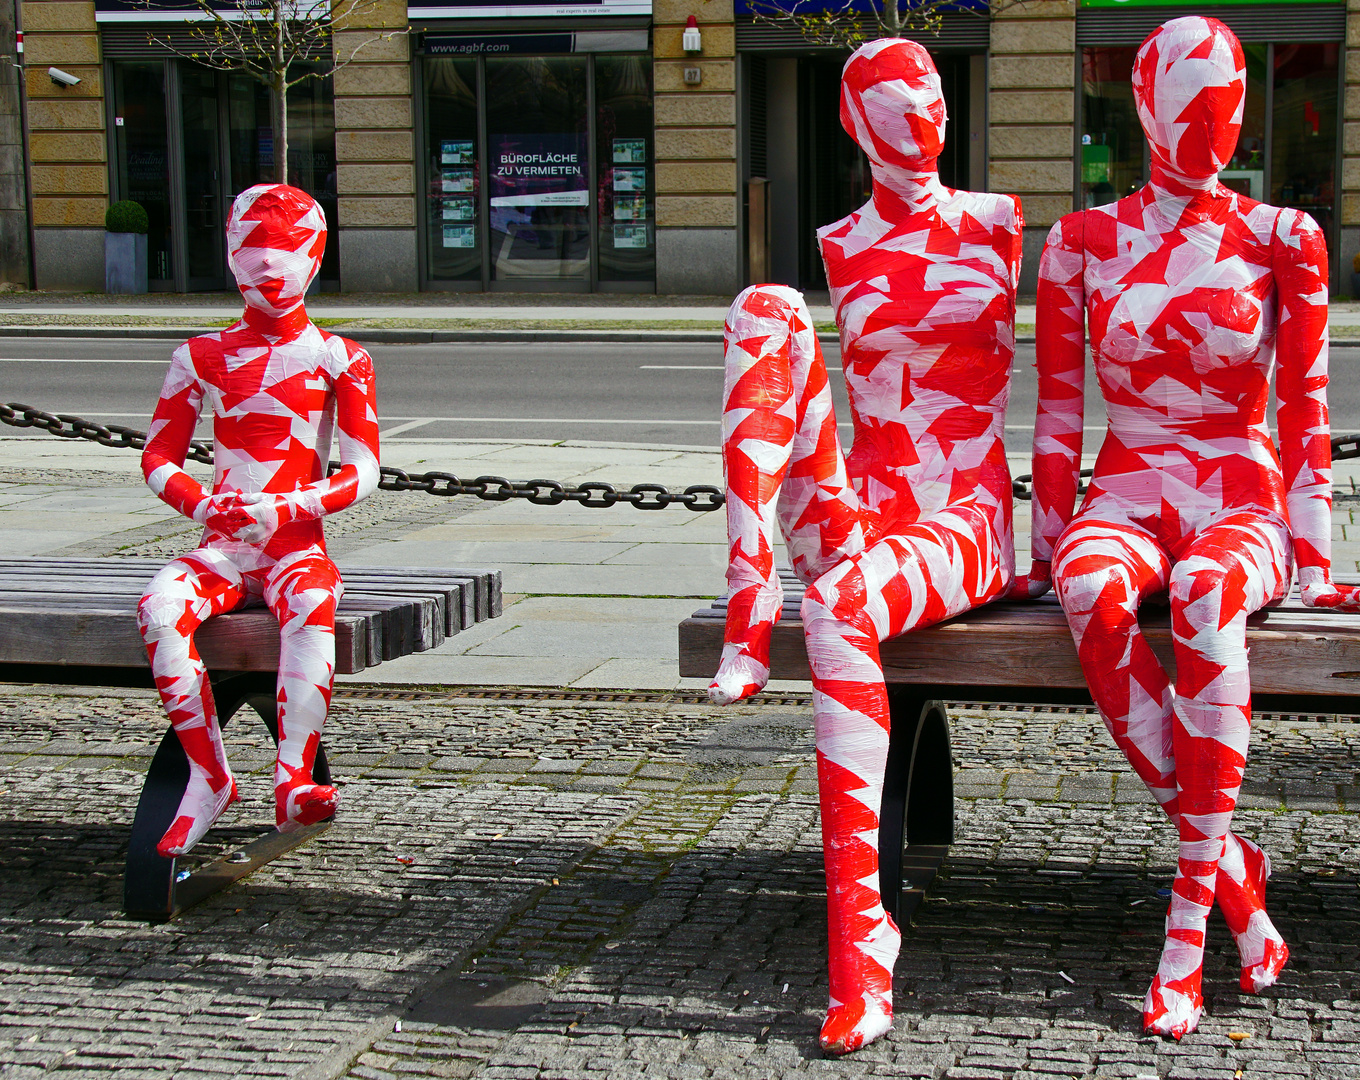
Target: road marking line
{"type": "Point", "coordinates": [410, 425]}
{"type": "Point", "coordinates": [695, 367]}
{"type": "Point", "coordinates": [73, 360]}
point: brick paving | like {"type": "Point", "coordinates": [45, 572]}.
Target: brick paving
{"type": "Point", "coordinates": [572, 889]}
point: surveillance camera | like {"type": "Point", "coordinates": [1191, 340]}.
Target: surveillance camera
{"type": "Point", "coordinates": [62, 78]}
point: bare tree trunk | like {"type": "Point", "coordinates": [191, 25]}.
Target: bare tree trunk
{"type": "Point", "coordinates": [892, 19]}
{"type": "Point", "coordinates": [280, 89]}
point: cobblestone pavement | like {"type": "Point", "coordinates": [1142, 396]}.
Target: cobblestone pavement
{"type": "Point", "coordinates": [569, 889]}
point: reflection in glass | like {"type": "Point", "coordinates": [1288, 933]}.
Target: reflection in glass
{"type": "Point", "coordinates": [1303, 154]}
{"type": "Point", "coordinates": [1246, 170]}
{"type": "Point", "coordinates": [203, 209]}
{"type": "Point", "coordinates": [311, 154]}
{"type": "Point", "coordinates": [141, 159]}
{"type": "Point", "coordinates": [1112, 145]}
{"type": "Point", "coordinates": [538, 168]}
{"type": "Point", "coordinates": [625, 192]}
{"type": "Point", "coordinates": [453, 237]}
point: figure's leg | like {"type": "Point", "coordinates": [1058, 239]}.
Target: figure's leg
{"type": "Point", "coordinates": [928, 572]}
{"type": "Point", "coordinates": [781, 456]}
{"type": "Point", "coordinates": [303, 590]}
{"type": "Point", "coordinates": [178, 601]}
{"type": "Point", "coordinates": [1102, 571]}
{"type": "Point", "coordinates": [1226, 572]}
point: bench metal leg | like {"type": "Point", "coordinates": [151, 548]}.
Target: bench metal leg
{"type": "Point", "coordinates": [916, 820]}
{"type": "Point", "coordinates": [150, 890]}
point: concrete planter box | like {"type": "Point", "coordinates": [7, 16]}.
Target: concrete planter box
{"type": "Point", "coordinates": [124, 262]}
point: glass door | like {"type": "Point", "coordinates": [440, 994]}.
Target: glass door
{"type": "Point", "coordinates": [141, 164]}
{"type": "Point", "coordinates": [539, 185]}
{"type": "Point", "coordinates": [453, 210]}
{"type": "Point", "coordinates": [204, 198]}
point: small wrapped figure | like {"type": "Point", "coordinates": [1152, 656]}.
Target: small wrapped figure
{"type": "Point", "coordinates": [278, 388]}
{"type": "Point", "coordinates": [914, 524]}
{"type": "Point", "coordinates": [1194, 296]}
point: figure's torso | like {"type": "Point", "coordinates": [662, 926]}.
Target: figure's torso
{"type": "Point", "coordinates": [273, 409]}
{"type": "Point", "coordinates": [1182, 321]}
{"type": "Point", "coordinates": [926, 310]}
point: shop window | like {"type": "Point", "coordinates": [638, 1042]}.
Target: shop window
{"type": "Point", "coordinates": [1303, 154]}
{"type": "Point", "coordinates": [141, 158]}
{"type": "Point", "coordinates": [1246, 171]}
{"type": "Point", "coordinates": [624, 185]}
{"type": "Point", "coordinates": [538, 161]}
{"type": "Point", "coordinates": [453, 249]}
{"type": "Point", "coordinates": [1113, 150]}
{"type": "Point", "coordinates": [526, 186]}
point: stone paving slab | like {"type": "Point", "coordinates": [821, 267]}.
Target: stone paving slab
{"type": "Point", "coordinates": [561, 888]}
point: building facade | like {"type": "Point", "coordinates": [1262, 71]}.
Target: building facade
{"type": "Point", "coordinates": [531, 146]}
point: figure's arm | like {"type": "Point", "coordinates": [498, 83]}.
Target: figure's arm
{"type": "Point", "coordinates": [356, 422]}
{"type": "Point", "coordinates": [1060, 345]}
{"type": "Point", "coordinates": [167, 443]}
{"type": "Point", "coordinates": [1299, 262]}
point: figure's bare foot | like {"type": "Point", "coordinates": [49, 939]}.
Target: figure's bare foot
{"type": "Point", "coordinates": [853, 1024]}
{"type": "Point", "coordinates": [1241, 892]}
{"type": "Point", "coordinates": [198, 811]}
{"type": "Point", "coordinates": [1173, 1008]}
{"type": "Point", "coordinates": [298, 805]}
{"type": "Point", "coordinates": [861, 988]}
{"type": "Point", "coordinates": [745, 665]}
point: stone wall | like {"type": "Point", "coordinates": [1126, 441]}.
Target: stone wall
{"type": "Point", "coordinates": [68, 162]}
{"type": "Point", "coordinates": [375, 155]}
{"type": "Point", "coordinates": [1031, 108]}
{"type": "Point", "coordinates": [697, 202]}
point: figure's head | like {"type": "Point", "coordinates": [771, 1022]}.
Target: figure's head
{"type": "Point", "coordinates": [275, 237]}
{"type": "Point", "coordinates": [1190, 83]}
{"type": "Point", "coordinates": [892, 104]}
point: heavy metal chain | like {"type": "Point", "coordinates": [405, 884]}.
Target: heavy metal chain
{"type": "Point", "coordinates": [595, 494]}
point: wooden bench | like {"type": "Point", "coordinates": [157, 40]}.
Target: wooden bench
{"type": "Point", "coordinates": [73, 622]}
{"type": "Point", "coordinates": [1301, 661]}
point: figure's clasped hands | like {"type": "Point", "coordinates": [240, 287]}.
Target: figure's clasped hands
{"type": "Point", "coordinates": [249, 516]}
{"type": "Point", "coordinates": [1032, 585]}
{"type": "Point", "coordinates": [1318, 591]}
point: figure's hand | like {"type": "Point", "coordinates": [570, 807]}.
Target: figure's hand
{"type": "Point", "coordinates": [1318, 591]}
{"type": "Point", "coordinates": [249, 516]}
{"type": "Point", "coordinates": [1032, 585]}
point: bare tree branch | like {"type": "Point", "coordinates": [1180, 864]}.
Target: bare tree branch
{"type": "Point", "coordinates": [266, 38]}
{"type": "Point", "coordinates": [848, 24]}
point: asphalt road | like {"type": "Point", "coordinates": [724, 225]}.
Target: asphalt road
{"type": "Point", "coordinates": [619, 393]}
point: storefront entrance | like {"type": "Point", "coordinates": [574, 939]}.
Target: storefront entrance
{"type": "Point", "coordinates": [186, 140]}
{"type": "Point", "coordinates": [537, 168]}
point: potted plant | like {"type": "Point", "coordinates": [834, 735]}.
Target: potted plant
{"type": "Point", "coordinates": [125, 225]}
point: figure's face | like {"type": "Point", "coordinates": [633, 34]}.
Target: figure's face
{"type": "Point", "coordinates": [275, 238]}
{"type": "Point", "coordinates": [892, 103]}
{"type": "Point", "coordinates": [1189, 83]}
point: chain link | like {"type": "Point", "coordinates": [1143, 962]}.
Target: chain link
{"type": "Point", "coordinates": [594, 494]}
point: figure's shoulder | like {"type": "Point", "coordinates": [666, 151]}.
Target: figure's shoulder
{"type": "Point", "coordinates": [343, 355]}
{"type": "Point", "coordinates": [989, 207]}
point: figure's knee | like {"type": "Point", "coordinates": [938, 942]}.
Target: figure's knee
{"type": "Point", "coordinates": [840, 597]}
{"type": "Point", "coordinates": [767, 302]}
{"type": "Point", "coordinates": [305, 594]}
{"type": "Point", "coordinates": [1204, 591]}
{"type": "Point", "coordinates": [1100, 588]}
{"type": "Point", "coordinates": [162, 614]}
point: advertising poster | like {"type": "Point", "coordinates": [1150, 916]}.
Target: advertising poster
{"type": "Point", "coordinates": [459, 236]}
{"type": "Point", "coordinates": [455, 152]}
{"type": "Point", "coordinates": [630, 151]}
{"type": "Point", "coordinates": [630, 236]}
{"type": "Point", "coordinates": [630, 208]}
{"type": "Point", "coordinates": [535, 179]}
{"type": "Point", "coordinates": [458, 210]}
{"type": "Point", "coordinates": [456, 180]}
{"type": "Point", "coordinates": [630, 180]}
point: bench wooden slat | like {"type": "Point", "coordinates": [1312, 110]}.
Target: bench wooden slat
{"type": "Point", "coordinates": [1294, 650]}
{"type": "Point", "coordinates": [105, 636]}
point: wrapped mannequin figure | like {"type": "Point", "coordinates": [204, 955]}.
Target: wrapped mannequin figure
{"type": "Point", "coordinates": [914, 525]}
{"type": "Point", "coordinates": [1193, 294]}
{"type": "Point", "coordinates": [277, 386]}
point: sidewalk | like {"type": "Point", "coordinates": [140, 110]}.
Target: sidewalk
{"type": "Point", "coordinates": [421, 317]}
{"type": "Point", "coordinates": [528, 887]}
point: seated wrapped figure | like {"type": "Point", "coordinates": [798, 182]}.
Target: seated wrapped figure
{"type": "Point", "coordinates": [1194, 295]}
{"type": "Point", "coordinates": [277, 388]}
{"type": "Point", "coordinates": [914, 524]}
